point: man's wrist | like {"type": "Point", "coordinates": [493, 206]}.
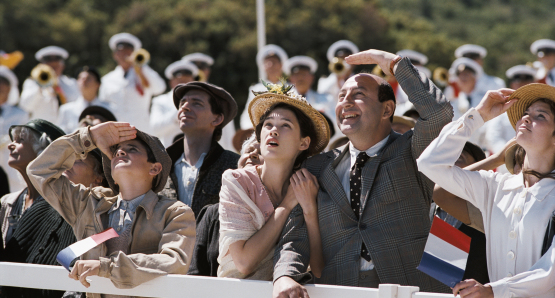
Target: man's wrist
{"type": "Point", "coordinates": [393, 64]}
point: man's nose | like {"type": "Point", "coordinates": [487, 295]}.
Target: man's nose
{"type": "Point", "coordinates": [120, 152]}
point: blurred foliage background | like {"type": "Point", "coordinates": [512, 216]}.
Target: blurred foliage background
{"type": "Point", "coordinates": [226, 30]}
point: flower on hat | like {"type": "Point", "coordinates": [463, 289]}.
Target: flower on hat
{"type": "Point", "coordinates": [281, 88]}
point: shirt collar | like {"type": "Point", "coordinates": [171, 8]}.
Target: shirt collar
{"type": "Point", "coordinates": [182, 160]}
{"type": "Point", "coordinates": [372, 151]}
{"type": "Point", "coordinates": [130, 205]}
{"type": "Point", "coordinates": [539, 190]}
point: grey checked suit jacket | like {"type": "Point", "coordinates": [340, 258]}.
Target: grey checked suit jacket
{"type": "Point", "coordinates": [395, 221]}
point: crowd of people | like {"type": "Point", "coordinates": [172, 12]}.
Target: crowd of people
{"type": "Point", "coordinates": [336, 186]}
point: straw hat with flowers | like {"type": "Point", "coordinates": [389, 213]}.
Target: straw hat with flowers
{"type": "Point", "coordinates": [281, 93]}
{"type": "Point", "coordinates": [526, 96]}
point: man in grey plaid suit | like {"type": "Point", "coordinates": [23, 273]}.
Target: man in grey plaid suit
{"type": "Point", "coordinates": [393, 221]}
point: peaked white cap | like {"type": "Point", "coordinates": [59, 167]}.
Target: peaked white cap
{"type": "Point", "coordinates": [466, 62]}
{"type": "Point", "coordinates": [300, 60]}
{"type": "Point", "coordinates": [5, 72]}
{"type": "Point", "coordinates": [414, 55]}
{"type": "Point", "coordinates": [341, 44]}
{"type": "Point", "coordinates": [520, 70]}
{"type": "Point", "coordinates": [200, 57]}
{"type": "Point", "coordinates": [124, 37]}
{"type": "Point", "coordinates": [470, 48]}
{"type": "Point", "coordinates": [268, 50]}
{"type": "Point", "coordinates": [180, 65]}
{"type": "Point", "coordinates": [542, 44]}
{"type": "Point", "coordinates": [51, 51]}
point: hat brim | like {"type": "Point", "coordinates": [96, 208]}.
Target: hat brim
{"type": "Point", "coordinates": [526, 96]}
{"type": "Point", "coordinates": [262, 103]}
{"type": "Point", "coordinates": [160, 155]}
{"type": "Point", "coordinates": [510, 158]}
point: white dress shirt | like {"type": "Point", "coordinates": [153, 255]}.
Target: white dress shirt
{"type": "Point", "coordinates": [68, 115]}
{"type": "Point", "coordinates": [163, 118]}
{"type": "Point", "coordinates": [550, 77]}
{"type": "Point", "coordinates": [515, 217]}
{"type": "Point", "coordinates": [245, 119]}
{"type": "Point", "coordinates": [42, 102]}
{"type": "Point", "coordinates": [343, 171]}
{"type": "Point", "coordinates": [187, 176]}
{"type": "Point", "coordinates": [120, 89]}
{"type": "Point", "coordinates": [9, 116]}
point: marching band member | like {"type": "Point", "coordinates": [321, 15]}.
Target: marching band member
{"type": "Point", "coordinates": [48, 88]}
{"type": "Point", "coordinates": [163, 120]}
{"type": "Point", "coordinates": [486, 82]}
{"type": "Point", "coordinates": [203, 62]}
{"type": "Point", "coordinates": [544, 49]}
{"type": "Point", "coordinates": [132, 84]}
{"type": "Point", "coordinates": [341, 71]}
{"type": "Point", "coordinates": [271, 58]}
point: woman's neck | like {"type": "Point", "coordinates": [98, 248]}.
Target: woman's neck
{"type": "Point", "coordinates": [541, 163]}
{"type": "Point", "coordinates": [32, 192]}
{"type": "Point", "coordinates": [275, 177]}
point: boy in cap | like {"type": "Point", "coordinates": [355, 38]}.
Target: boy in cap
{"type": "Point", "coordinates": [197, 160]}
{"type": "Point", "coordinates": [9, 115]}
{"type": "Point", "coordinates": [156, 234]}
{"type": "Point", "coordinates": [544, 49]}
{"type": "Point", "coordinates": [131, 85]}
{"type": "Point", "coordinates": [163, 115]}
{"type": "Point", "coordinates": [43, 101]}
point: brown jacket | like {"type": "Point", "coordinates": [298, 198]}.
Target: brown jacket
{"type": "Point", "coordinates": [164, 228]}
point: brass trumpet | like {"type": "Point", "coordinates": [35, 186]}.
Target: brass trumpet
{"type": "Point", "coordinates": [201, 77]}
{"type": "Point", "coordinates": [44, 75]}
{"type": "Point", "coordinates": [378, 72]}
{"type": "Point", "coordinates": [441, 76]}
{"type": "Point", "coordinates": [140, 57]}
{"type": "Point", "coordinates": [339, 66]}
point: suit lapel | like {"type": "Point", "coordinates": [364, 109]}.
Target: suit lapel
{"type": "Point", "coordinates": [332, 184]}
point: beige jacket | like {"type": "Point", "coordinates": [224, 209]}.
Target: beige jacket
{"type": "Point", "coordinates": [163, 232]}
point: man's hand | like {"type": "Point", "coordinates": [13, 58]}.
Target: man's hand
{"type": "Point", "coordinates": [85, 268]}
{"type": "Point", "coordinates": [286, 287]}
{"type": "Point", "coordinates": [305, 186]}
{"type": "Point", "coordinates": [472, 289]}
{"type": "Point", "coordinates": [495, 103]}
{"type": "Point", "coordinates": [383, 59]}
{"type": "Point", "coordinates": [109, 134]}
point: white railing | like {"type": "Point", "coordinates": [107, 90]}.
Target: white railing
{"type": "Point", "coordinates": [56, 278]}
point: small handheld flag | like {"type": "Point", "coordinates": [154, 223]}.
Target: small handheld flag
{"type": "Point", "coordinates": [445, 254]}
{"type": "Point", "coordinates": [78, 248]}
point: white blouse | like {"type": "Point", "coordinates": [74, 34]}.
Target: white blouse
{"type": "Point", "coordinates": [515, 217]}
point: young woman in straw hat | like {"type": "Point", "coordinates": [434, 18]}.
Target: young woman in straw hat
{"type": "Point", "coordinates": [516, 209]}
{"type": "Point", "coordinates": [255, 202]}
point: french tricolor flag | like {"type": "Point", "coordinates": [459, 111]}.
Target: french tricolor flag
{"type": "Point", "coordinates": [445, 253]}
{"type": "Point", "coordinates": [80, 247]}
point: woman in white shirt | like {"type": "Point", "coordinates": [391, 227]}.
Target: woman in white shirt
{"type": "Point", "coordinates": [516, 209]}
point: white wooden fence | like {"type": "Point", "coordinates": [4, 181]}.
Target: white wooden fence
{"type": "Point", "coordinates": [56, 278]}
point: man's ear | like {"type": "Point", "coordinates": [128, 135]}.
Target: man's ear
{"type": "Point", "coordinates": [218, 120]}
{"type": "Point", "coordinates": [389, 109]}
{"type": "Point", "coordinates": [155, 169]}
{"type": "Point", "coordinates": [305, 143]}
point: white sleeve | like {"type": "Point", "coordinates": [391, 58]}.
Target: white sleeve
{"type": "Point", "coordinates": [245, 119]}
{"type": "Point", "coordinates": [161, 120]}
{"type": "Point", "coordinates": [437, 162]}
{"type": "Point", "coordinates": [31, 94]}
{"type": "Point", "coordinates": [157, 85]}
{"type": "Point", "coordinates": [534, 282]}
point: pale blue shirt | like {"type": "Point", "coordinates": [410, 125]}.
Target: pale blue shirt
{"type": "Point", "coordinates": [122, 213]}
{"type": "Point", "coordinates": [343, 171]}
{"type": "Point", "coordinates": [187, 176]}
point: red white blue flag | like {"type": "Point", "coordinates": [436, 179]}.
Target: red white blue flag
{"type": "Point", "coordinates": [80, 247]}
{"type": "Point", "coordinates": [445, 254]}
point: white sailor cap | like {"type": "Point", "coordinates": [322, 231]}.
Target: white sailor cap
{"type": "Point", "coordinates": [124, 37]}
{"type": "Point", "coordinates": [471, 49]}
{"type": "Point", "coordinates": [338, 45]}
{"type": "Point", "coordinates": [199, 57]}
{"type": "Point", "coordinates": [180, 65]}
{"type": "Point", "coordinates": [300, 61]}
{"type": "Point", "coordinates": [542, 44]}
{"type": "Point", "coordinates": [520, 70]}
{"type": "Point", "coordinates": [6, 73]}
{"type": "Point", "coordinates": [463, 62]}
{"type": "Point", "coordinates": [51, 51]}
{"type": "Point", "coordinates": [269, 50]}
{"type": "Point", "coordinates": [423, 69]}
{"type": "Point", "coordinates": [414, 55]}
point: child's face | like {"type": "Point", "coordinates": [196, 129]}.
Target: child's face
{"type": "Point", "coordinates": [130, 159]}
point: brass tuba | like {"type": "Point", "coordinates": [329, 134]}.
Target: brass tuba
{"type": "Point", "coordinates": [441, 76]}
{"type": "Point", "coordinates": [44, 75]}
{"type": "Point", "coordinates": [379, 72]}
{"type": "Point", "coordinates": [201, 77]}
{"type": "Point", "coordinates": [140, 57]}
{"type": "Point", "coordinates": [339, 66]}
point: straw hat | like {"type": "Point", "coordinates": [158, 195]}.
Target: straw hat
{"type": "Point", "coordinates": [526, 95]}
{"type": "Point", "coordinates": [283, 94]}
{"type": "Point", "coordinates": [510, 158]}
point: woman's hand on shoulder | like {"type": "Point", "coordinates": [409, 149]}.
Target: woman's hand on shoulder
{"type": "Point", "coordinates": [495, 103]}
{"type": "Point", "coordinates": [305, 185]}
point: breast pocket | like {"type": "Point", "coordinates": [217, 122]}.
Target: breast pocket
{"type": "Point", "coordinates": [89, 231]}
